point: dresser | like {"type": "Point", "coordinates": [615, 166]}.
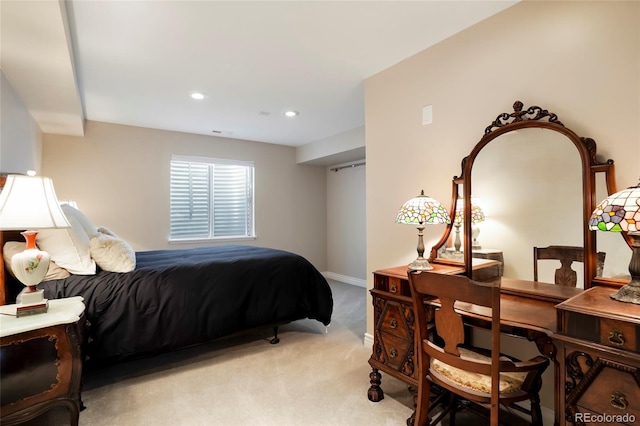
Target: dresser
{"type": "Point", "coordinates": [41, 361]}
{"type": "Point", "coordinates": [598, 343]}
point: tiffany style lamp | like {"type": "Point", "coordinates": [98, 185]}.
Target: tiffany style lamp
{"type": "Point", "coordinates": [422, 210]}
{"type": "Point", "coordinates": [620, 212]}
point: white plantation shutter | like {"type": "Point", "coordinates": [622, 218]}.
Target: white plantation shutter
{"type": "Point", "coordinates": [211, 198]}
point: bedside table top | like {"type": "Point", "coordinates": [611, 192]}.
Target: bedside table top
{"type": "Point", "coordinates": [61, 311]}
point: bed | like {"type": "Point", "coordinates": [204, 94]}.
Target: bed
{"type": "Point", "coordinates": [174, 299]}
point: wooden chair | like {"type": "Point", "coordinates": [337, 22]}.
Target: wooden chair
{"type": "Point", "coordinates": [480, 376]}
{"type": "Point", "coordinates": [564, 275]}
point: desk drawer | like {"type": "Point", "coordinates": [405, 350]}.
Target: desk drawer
{"type": "Point", "coordinates": [613, 391]}
{"type": "Point", "coordinates": [600, 382]}
{"type": "Point", "coordinates": [396, 350]}
{"type": "Point", "coordinates": [394, 285]}
{"type": "Point", "coordinates": [609, 332]}
{"type": "Point", "coordinates": [392, 321]}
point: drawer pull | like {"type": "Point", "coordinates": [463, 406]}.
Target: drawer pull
{"type": "Point", "coordinates": [393, 352]}
{"type": "Point", "coordinates": [394, 288]}
{"type": "Point", "coordinates": [393, 323]}
{"type": "Point", "coordinates": [616, 338]}
{"type": "Point", "coordinates": [618, 400]}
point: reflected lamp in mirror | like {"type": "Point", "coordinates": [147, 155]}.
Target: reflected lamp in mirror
{"type": "Point", "coordinates": [477, 216]}
{"type": "Point", "coordinates": [420, 211]}
{"type": "Point", "coordinates": [620, 212]}
{"type": "Point", "coordinates": [28, 203]}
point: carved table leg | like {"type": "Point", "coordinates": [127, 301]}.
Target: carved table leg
{"type": "Point", "coordinates": [414, 391]}
{"type": "Point", "coordinates": [375, 392]}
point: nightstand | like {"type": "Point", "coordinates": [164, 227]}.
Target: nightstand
{"type": "Point", "coordinates": [41, 361]}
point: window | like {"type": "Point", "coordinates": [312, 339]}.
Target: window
{"type": "Point", "coordinates": [211, 198]}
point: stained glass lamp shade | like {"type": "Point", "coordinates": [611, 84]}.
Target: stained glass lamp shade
{"type": "Point", "coordinates": [422, 210]}
{"type": "Point", "coordinates": [620, 212]}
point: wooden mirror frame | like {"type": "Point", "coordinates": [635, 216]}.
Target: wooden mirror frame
{"type": "Point", "coordinates": [536, 117]}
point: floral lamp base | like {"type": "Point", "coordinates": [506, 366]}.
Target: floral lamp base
{"type": "Point", "coordinates": [30, 268]}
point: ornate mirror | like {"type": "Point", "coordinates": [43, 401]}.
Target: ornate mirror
{"type": "Point", "coordinates": [530, 182]}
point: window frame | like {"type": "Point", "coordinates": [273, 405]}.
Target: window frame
{"type": "Point", "coordinates": [211, 162]}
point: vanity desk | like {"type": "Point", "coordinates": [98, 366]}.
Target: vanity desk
{"type": "Point", "coordinates": [542, 182]}
{"type": "Point", "coordinates": [528, 310]}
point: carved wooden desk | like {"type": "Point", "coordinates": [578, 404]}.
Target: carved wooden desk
{"type": "Point", "coordinates": [527, 310]}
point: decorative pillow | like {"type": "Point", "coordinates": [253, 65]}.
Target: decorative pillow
{"type": "Point", "coordinates": [69, 247]}
{"type": "Point", "coordinates": [111, 252]}
{"type": "Point", "coordinates": [55, 272]}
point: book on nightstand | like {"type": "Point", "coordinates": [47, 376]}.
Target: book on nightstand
{"type": "Point", "coordinates": [25, 309]}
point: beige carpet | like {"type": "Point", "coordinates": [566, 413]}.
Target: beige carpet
{"type": "Point", "coordinates": [309, 378]}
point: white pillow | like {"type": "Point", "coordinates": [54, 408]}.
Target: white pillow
{"type": "Point", "coordinates": [111, 252]}
{"type": "Point", "coordinates": [84, 221]}
{"type": "Point", "coordinates": [68, 247]}
{"type": "Point", "coordinates": [55, 272]}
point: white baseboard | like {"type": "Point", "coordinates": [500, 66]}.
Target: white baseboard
{"type": "Point", "coordinates": [548, 416]}
{"type": "Point", "coordinates": [345, 279]}
{"type": "Point", "coordinates": [368, 340]}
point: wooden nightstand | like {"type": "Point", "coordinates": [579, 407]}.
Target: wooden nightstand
{"type": "Point", "coordinates": [41, 361]}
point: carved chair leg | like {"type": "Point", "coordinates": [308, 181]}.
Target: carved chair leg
{"type": "Point", "coordinates": [536, 411]}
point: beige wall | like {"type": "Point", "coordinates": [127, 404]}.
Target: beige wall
{"type": "Point", "coordinates": [20, 136]}
{"type": "Point", "coordinates": [580, 60]}
{"type": "Point", "coordinates": [119, 175]}
{"type": "Point", "coordinates": [346, 230]}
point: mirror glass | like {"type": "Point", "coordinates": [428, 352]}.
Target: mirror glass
{"type": "Point", "coordinates": [528, 182]}
{"type": "Point", "coordinates": [618, 253]}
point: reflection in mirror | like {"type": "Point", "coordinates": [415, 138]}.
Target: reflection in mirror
{"type": "Point", "coordinates": [529, 184]}
{"type": "Point", "coordinates": [453, 249]}
{"type": "Point", "coordinates": [618, 252]}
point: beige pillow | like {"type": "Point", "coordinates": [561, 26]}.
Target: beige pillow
{"type": "Point", "coordinates": [112, 253]}
{"type": "Point", "coordinates": [55, 272]}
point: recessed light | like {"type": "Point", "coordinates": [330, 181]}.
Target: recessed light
{"type": "Point", "coordinates": [198, 96]}
{"type": "Point", "coordinates": [291, 113]}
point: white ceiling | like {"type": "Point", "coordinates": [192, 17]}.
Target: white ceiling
{"type": "Point", "coordinates": [135, 62]}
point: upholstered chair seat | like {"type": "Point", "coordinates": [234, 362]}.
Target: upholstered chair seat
{"type": "Point", "coordinates": [475, 382]}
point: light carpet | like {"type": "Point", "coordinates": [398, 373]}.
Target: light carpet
{"type": "Point", "coordinates": [312, 377]}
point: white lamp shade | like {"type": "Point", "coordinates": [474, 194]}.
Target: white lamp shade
{"type": "Point", "coordinates": [30, 202]}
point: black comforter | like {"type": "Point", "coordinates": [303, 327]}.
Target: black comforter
{"type": "Point", "coordinates": [178, 298]}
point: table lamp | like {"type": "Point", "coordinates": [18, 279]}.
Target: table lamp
{"type": "Point", "coordinates": [28, 203]}
{"type": "Point", "coordinates": [477, 216]}
{"type": "Point", "coordinates": [620, 212]}
{"type": "Point", "coordinates": [422, 210]}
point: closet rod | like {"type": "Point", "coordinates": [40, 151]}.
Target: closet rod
{"type": "Point", "coordinates": [348, 166]}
